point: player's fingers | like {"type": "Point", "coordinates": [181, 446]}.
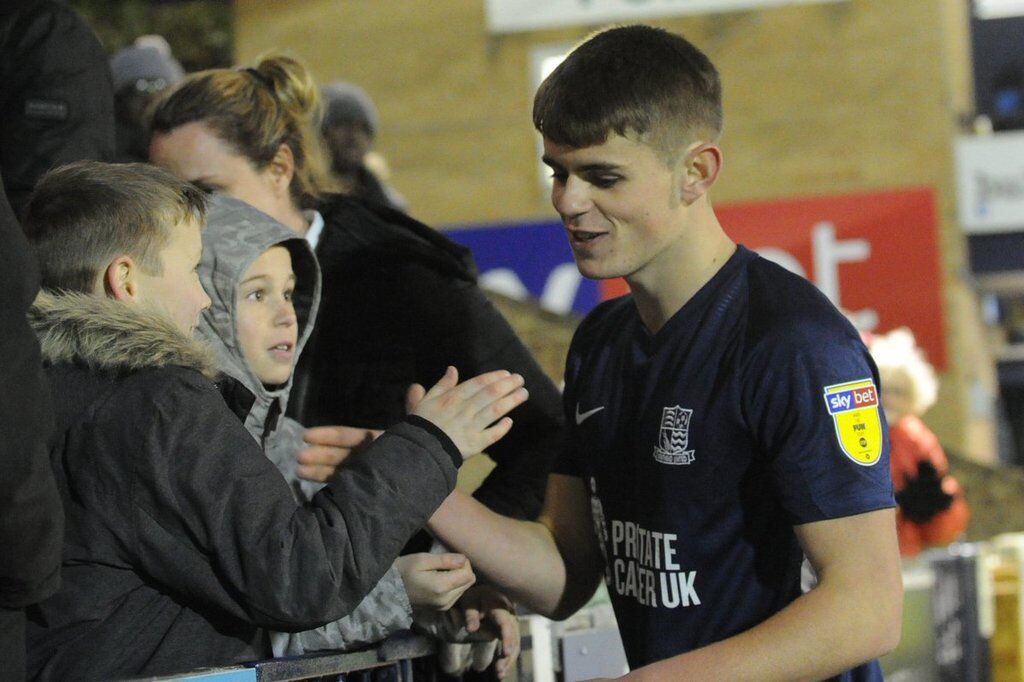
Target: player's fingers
{"type": "Point", "coordinates": [446, 383]}
{"type": "Point", "coordinates": [413, 397]}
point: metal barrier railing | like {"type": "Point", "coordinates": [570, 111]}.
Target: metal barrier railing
{"type": "Point", "coordinates": [399, 650]}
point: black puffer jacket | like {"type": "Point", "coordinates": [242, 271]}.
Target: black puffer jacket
{"type": "Point", "coordinates": [183, 539]}
{"type": "Point", "coordinates": [400, 303]}
{"type": "Point", "coordinates": [56, 94]}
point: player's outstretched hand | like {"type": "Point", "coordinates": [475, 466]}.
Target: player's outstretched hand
{"type": "Point", "coordinates": [435, 581]}
{"type": "Point", "coordinates": [329, 447]}
{"type": "Point", "coordinates": [471, 413]}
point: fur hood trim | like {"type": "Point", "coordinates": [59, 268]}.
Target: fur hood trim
{"type": "Point", "coordinates": [107, 335]}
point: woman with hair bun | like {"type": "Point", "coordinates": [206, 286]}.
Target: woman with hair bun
{"type": "Point", "coordinates": [248, 133]}
{"type": "Point", "coordinates": [400, 301]}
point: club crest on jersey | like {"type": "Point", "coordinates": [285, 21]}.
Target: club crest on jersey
{"type": "Point", "coordinates": [674, 436]}
{"type": "Point", "coordinates": [854, 410]}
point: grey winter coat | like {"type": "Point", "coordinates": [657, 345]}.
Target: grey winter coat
{"type": "Point", "coordinates": [235, 236]}
{"type": "Point", "coordinates": [182, 540]}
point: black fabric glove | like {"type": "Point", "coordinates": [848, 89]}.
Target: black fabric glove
{"type": "Point", "coordinates": [923, 498]}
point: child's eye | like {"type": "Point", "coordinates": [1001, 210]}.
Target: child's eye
{"type": "Point", "coordinates": [289, 295]}
{"type": "Point", "coordinates": [256, 295]}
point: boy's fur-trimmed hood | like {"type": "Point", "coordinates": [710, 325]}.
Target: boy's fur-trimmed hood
{"type": "Point", "coordinates": [107, 335]}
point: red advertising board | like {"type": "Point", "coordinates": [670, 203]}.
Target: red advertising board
{"type": "Point", "coordinates": [875, 255]}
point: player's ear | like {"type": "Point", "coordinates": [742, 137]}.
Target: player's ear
{"type": "Point", "coordinates": [699, 167]}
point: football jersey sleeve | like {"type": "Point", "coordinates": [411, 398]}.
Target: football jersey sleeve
{"type": "Point", "coordinates": [811, 398]}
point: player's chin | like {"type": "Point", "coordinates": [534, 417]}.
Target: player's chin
{"type": "Point", "coordinates": [592, 268]}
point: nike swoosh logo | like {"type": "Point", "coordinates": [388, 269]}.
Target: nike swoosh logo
{"type": "Point", "coordinates": [583, 416]}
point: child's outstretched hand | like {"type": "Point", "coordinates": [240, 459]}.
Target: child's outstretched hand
{"type": "Point", "coordinates": [435, 581]}
{"type": "Point", "coordinates": [471, 413]}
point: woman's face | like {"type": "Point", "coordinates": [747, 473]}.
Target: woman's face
{"type": "Point", "coordinates": [195, 153]}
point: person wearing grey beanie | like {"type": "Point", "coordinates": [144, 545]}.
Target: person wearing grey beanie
{"type": "Point", "coordinates": [140, 73]}
{"type": "Point", "coordinates": [349, 128]}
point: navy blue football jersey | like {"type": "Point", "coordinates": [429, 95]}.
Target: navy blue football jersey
{"type": "Point", "coordinates": [755, 408]}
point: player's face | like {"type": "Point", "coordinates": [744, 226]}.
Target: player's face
{"type": "Point", "coordinates": [620, 205]}
{"type": "Point", "coordinates": [193, 152]}
{"type": "Point", "coordinates": [267, 326]}
{"type": "Point", "coordinates": [176, 291]}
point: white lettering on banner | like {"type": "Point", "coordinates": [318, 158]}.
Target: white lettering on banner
{"type": "Point", "coordinates": [560, 288]}
{"type": "Point", "coordinates": [506, 282]}
{"type": "Point", "coordinates": [510, 16]}
{"type": "Point", "coordinates": [828, 254]}
{"type": "Point", "coordinates": [643, 567]}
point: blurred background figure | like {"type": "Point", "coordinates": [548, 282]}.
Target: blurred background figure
{"type": "Point", "coordinates": [932, 510]}
{"type": "Point", "coordinates": [56, 97]}
{"type": "Point", "coordinates": [140, 73]}
{"type": "Point", "coordinates": [31, 516]}
{"type": "Point", "coordinates": [349, 128]}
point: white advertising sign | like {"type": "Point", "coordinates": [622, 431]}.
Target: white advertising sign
{"type": "Point", "coordinates": [510, 16]}
{"type": "Point", "coordinates": [990, 182]}
{"type": "Point", "coordinates": [998, 9]}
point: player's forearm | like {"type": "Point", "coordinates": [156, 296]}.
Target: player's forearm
{"type": "Point", "coordinates": [520, 557]}
{"type": "Point", "coordinates": [833, 628]}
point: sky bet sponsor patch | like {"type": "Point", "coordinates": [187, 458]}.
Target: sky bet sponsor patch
{"type": "Point", "coordinates": [854, 409]}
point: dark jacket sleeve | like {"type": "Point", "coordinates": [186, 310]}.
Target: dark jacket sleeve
{"type": "Point", "coordinates": [214, 519]}
{"type": "Point", "coordinates": [31, 518]}
{"type": "Point", "coordinates": [56, 94]}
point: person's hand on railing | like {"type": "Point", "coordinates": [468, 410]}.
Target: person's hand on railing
{"type": "Point", "coordinates": [481, 626]}
{"type": "Point", "coordinates": [472, 413]}
{"type": "Point", "coordinates": [435, 581]}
